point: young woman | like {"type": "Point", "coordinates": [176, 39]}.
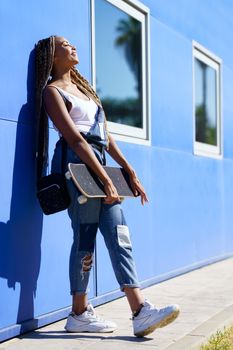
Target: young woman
{"type": "Point", "coordinates": [59, 80]}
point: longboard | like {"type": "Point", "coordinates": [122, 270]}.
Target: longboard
{"type": "Point", "coordinates": [91, 187]}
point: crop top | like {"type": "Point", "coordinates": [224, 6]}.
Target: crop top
{"type": "Point", "coordinates": [82, 111]}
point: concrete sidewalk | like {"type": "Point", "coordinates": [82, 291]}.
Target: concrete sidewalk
{"type": "Point", "coordinates": [205, 296]}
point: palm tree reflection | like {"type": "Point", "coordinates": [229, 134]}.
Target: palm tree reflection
{"type": "Point", "coordinates": [205, 132]}
{"type": "Point", "coordinates": [129, 110]}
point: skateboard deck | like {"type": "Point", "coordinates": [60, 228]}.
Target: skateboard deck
{"type": "Point", "coordinates": [91, 187]}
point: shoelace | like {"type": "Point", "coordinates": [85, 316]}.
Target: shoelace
{"type": "Point", "coordinates": [148, 305]}
{"type": "Point", "coordinates": [92, 313]}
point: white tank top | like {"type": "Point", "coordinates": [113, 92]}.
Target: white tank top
{"type": "Point", "coordinates": [82, 111]}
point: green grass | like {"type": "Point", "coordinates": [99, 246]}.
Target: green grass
{"type": "Point", "coordinates": [222, 340]}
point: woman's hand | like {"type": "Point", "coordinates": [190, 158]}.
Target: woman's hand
{"type": "Point", "coordinates": [137, 187]}
{"type": "Point", "coordinates": [117, 155]}
{"type": "Point", "coordinates": [111, 192]}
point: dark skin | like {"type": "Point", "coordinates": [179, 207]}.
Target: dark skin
{"type": "Point", "coordinates": [64, 59]}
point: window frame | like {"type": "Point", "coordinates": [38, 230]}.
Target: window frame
{"type": "Point", "coordinates": [210, 59]}
{"type": "Point", "coordinates": [124, 132]}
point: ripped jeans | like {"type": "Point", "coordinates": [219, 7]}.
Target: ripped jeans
{"type": "Point", "coordinates": [85, 220]}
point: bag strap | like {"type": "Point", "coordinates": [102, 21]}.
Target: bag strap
{"type": "Point", "coordinates": [63, 141]}
{"type": "Point", "coordinates": [99, 116]}
{"type": "Point", "coordinates": [63, 154]}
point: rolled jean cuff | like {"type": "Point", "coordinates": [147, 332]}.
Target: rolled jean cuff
{"type": "Point", "coordinates": [78, 292]}
{"type": "Point", "coordinates": [134, 285]}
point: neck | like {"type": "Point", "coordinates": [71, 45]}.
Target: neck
{"type": "Point", "coordinates": [63, 75]}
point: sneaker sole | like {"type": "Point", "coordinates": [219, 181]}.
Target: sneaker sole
{"type": "Point", "coordinates": [170, 318]}
{"type": "Point", "coordinates": [104, 330]}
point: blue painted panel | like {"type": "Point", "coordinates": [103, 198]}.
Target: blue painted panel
{"type": "Point", "coordinates": [227, 199]}
{"type": "Point", "coordinates": [32, 22]}
{"type": "Point", "coordinates": [227, 110]}
{"type": "Point", "coordinates": [21, 226]}
{"type": "Point", "coordinates": [171, 85]}
{"type": "Point", "coordinates": [7, 146]}
{"type": "Point", "coordinates": [195, 21]}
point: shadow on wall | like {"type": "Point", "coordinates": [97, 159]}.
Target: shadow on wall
{"type": "Point", "coordinates": [20, 237]}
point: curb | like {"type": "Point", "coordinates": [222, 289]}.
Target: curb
{"type": "Point", "coordinates": [201, 334]}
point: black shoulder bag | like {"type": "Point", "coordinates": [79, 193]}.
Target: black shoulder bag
{"type": "Point", "coordinates": [52, 191]}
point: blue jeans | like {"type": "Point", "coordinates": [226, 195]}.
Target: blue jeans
{"type": "Point", "coordinates": [85, 220]}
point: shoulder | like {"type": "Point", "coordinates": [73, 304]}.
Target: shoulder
{"type": "Point", "coordinates": [50, 88]}
{"type": "Point", "coordinates": [52, 97]}
{"type": "Point", "coordinates": [50, 91]}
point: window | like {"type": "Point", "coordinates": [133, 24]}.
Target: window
{"type": "Point", "coordinates": [207, 102]}
{"type": "Point", "coordinates": [120, 65]}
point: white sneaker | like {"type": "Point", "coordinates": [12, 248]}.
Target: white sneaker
{"type": "Point", "coordinates": [88, 322]}
{"type": "Point", "coordinates": [150, 318]}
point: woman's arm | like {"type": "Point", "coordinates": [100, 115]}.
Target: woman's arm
{"type": "Point", "coordinates": [117, 155]}
{"type": "Point", "coordinates": [56, 109]}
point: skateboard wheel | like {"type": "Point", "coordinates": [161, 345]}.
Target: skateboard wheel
{"type": "Point", "coordinates": [67, 175]}
{"type": "Point", "coordinates": [82, 199]}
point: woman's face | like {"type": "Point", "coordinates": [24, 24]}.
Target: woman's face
{"type": "Point", "coordinates": [65, 53]}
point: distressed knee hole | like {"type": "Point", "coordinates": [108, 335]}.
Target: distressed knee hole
{"type": "Point", "coordinates": [87, 263]}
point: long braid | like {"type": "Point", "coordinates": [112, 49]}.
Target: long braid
{"type": "Point", "coordinates": [44, 62]}
{"type": "Point", "coordinates": [45, 49]}
{"type": "Point", "coordinates": [84, 85]}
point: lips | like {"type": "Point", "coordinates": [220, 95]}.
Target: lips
{"type": "Point", "coordinates": [74, 56]}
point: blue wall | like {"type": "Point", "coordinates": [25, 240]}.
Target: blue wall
{"type": "Point", "coordinates": [188, 222]}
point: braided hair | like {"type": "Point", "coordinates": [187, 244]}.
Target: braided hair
{"type": "Point", "coordinates": [44, 50]}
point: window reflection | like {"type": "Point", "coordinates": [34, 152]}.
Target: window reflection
{"type": "Point", "coordinates": [205, 103]}
{"type": "Point", "coordinates": [119, 64]}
